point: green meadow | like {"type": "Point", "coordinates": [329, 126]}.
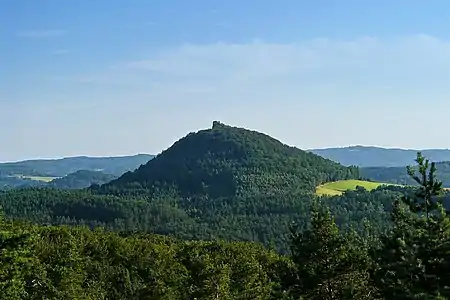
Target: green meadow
{"type": "Point", "coordinates": [338, 187]}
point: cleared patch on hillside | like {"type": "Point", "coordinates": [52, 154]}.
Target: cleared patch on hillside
{"type": "Point", "coordinates": [37, 178]}
{"type": "Point", "coordinates": [338, 187]}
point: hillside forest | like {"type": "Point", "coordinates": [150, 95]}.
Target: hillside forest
{"type": "Point", "coordinates": [229, 213]}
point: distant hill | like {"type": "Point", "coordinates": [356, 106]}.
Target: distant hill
{"type": "Point", "coordinates": [81, 179]}
{"type": "Point", "coordinates": [64, 166]}
{"type": "Point", "coordinates": [8, 181]}
{"type": "Point", "coordinates": [78, 180]}
{"type": "Point", "coordinates": [38, 172]}
{"type": "Point", "coordinates": [227, 161]}
{"type": "Point", "coordinates": [399, 175]}
{"type": "Point", "coordinates": [363, 156]}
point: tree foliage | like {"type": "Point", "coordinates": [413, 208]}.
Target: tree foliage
{"type": "Point", "coordinates": [413, 259]}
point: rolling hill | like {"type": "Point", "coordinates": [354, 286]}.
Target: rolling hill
{"type": "Point", "coordinates": [64, 166]}
{"type": "Point", "coordinates": [39, 172]}
{"type": "Point", "coordinates": [227, 161]}
{"type": "Point", "coordinates": [78, 180]}
{"type": "Point", "coordinates": [363, 156]}
{"type": "Point", "coordinates": [81, 179]}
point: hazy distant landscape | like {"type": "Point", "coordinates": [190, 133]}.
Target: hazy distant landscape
{"type": "Point", "coordinates": [70, 172]}
{"type": "Point", "coordinates": [365, 156]}
{"type": "Point", "coordinates": [388, 165]}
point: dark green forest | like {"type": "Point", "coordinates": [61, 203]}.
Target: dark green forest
{"type": "Point", "coordinates": [228, 213]}
{"type": "Point", "coordinates": [265, 220]}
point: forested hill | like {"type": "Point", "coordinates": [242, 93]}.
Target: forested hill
{"type": "Point", "coordinates": [227, 161]}
{"type": "Point", "coordinates": [81, 179]}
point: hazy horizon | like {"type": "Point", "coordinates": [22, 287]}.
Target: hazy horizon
{"type": "Point", "coordinates": [135, 77]}
{"type": "Point", "coordinates": [156, 153]}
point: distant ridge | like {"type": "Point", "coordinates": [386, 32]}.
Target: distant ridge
{"type": "Point", "coordinates": [377, 147]}
{"type": "Point", "coordinates": [400, 176]}
{"type": "Point", "coordinates": [227, 161]}
{"type": "Point", "coordinates": [371, 156]}
{"type": "Point", "coordinates": [63, 166]}
{"type": "Point", "coordinates": [57, 159]}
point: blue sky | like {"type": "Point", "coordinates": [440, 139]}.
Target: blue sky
{"type": "Point", "coordinates": [123, 77]}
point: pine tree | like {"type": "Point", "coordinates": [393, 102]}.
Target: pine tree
{"type": "Point", "coordinates": [329, 264]}
{"type": "Point", "coordinates": [412, 260]}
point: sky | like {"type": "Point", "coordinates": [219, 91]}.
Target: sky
{"type": "Point", "coordinates": [105, 78]}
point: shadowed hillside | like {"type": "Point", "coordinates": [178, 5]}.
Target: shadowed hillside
{"type": "Point", "coordinates": [81, 179]}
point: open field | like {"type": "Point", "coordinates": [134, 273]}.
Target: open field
{"type": "Point", "coordinates": [37, 178]}
{"type": "Point", "coordinates": [338, 187]}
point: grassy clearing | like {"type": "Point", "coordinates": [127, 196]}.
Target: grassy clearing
{"type": "Point", "coordinates": [37, 178]}
{"type": "Point", "coordinates": [338, 187]}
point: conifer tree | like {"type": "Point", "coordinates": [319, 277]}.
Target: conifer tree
{"type": "Point", "coordinates": [330, 265]}
{"type": "Point", "coordinates": [414, 256]}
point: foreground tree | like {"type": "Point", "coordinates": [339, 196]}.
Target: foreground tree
{"type": "Point", "coordinates": [329, 264]}
{"type": "Point", "coordinates": [19, 274]}
{"type": "Point", "coordinates": [413, 259]}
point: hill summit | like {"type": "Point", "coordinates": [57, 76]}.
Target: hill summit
{"type": "Point", "coordinates": [227, 161]}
